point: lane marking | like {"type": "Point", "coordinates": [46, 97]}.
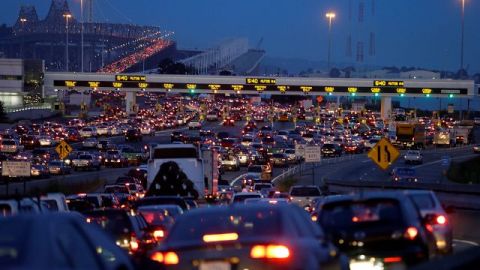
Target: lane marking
{"type": "Point", "coordinates": [466, 242]}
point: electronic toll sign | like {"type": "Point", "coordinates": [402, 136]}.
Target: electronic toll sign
{"type": "Point", "coordinates": [286, 86]}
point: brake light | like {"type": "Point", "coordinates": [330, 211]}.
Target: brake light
{"type": "Point", "coordinates": [134, 244]}
{"type": "Point", "coordinates": [392, 259]}
{"type": "Point", "coordinates": [208, 238]}
{"type": "Point", "coordinates": [441, 220]}
{"type": "Point", "coordinates": [269, 252]}
{"type": "Point", "coordinates": [411, 233]}
{"type": "Point", "coordinates": [170, 257]}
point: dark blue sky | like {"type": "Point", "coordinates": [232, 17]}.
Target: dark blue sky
{"type": "Point", "coordinates": [423, 33]}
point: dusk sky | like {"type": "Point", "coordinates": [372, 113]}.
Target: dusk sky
{"type": "Point", "coordinates": [422, 33]}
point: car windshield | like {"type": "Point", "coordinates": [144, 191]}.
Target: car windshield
{"type": "Point", "coordinates": [369, 214]}
{"type": "Point", "coordinates": [305, 191]}
{"type": "Point", "coordinates": [246, 223]}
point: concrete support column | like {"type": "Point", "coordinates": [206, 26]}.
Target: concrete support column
{"type": "Point", "coordinates": [131, 103]}
{"type": "Point", "coordinates": [385, 107]}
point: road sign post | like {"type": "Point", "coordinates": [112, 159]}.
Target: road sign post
{"type": "Point", "coordinates": [383, 154]}
{"type": "Point", "coordinates": [313, 155]}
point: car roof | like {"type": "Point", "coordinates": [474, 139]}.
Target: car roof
{"type": "Point", "coordinates": [365, 196]}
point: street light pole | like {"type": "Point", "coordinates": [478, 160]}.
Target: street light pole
{"type": "Point", "coordinates": [330, 16]}
{"type": "Point", "coordinates": [461, 42]}
{"type": "Point", "coordinates": [67, 17]}
{"type": "Point", "coordinates": [81, 33]}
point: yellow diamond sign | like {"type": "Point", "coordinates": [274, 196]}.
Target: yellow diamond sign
{"type": "Point", "coordinates": [383, 154]}
{"type": "Point", "coordinates": [63, 149]}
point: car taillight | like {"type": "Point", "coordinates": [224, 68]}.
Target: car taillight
{"type": "Point", "coordinates": [169, 258]}
{"type": "Point", "coordinates": [392, 259]}
{"type": "Point", "coordinates": [441, 220]}
{"type": "Point", "coordinates": [269, 252]}
{"type": "Point", "coordinates": [134, 243]}
{"type": "Point", "coordinates": [411, 233]}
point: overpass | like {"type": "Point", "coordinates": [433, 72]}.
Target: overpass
{"type": "Point", "coordinates": [383, 89]}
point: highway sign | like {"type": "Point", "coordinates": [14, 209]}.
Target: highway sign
{"type": "Point", "coordinates": [383, 154]}
{"type": "Point", "coordinates": [312, 154]}
{"type": "Point", "coordinates": [300, 150]}
{"type": "Point", "coordinates": [63, 149]}
{"type": "Point", "coordinates": [16, 168]}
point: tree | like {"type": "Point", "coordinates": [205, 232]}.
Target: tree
{"type": "Point", "coordinates": [172, 181]}
{"type": "Point", "coordinates": [3, 114]}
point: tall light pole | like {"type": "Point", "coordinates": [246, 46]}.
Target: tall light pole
{"type": "Point", "coordinates": [461, 42]}
{"type": "Point", "coordinates": [330, 16]}
{"type": "Point", "coordinates": [23, 21]}
{"type": "Point", "coordinates": [67, 17]}
{"type": "Point", "coordinates": [81, 34]}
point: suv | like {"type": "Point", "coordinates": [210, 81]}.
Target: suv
{"type": "Point", "coordinates": [376, 229]}
{"type": "Point", "coordinates": [86, 161]}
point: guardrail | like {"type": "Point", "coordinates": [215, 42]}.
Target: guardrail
{"type": "Point", "coordinates": [287, 173]}
{"type": "Point", "coordinates": [43, 106]}
{"type": "Point", "coordinates": [458, 196]}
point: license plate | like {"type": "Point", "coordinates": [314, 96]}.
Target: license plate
{"type": "Point", "coordinates": [214, 266]}
{"type": "Point", "coordinates": [361, 265]}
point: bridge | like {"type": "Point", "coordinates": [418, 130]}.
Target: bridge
{"type": "Point", "coordinates": [384, 89]}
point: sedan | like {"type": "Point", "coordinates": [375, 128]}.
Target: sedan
{"type": "Point", "coordinates": [58, 167]}
{"type": "Point", "coordinates": [246, 236]}
{"type": "Point", "coordinates": [413, 156]}
{"type": "Point", "coordinates": [279, 160]}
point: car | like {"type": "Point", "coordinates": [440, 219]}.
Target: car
{"type": "Point", "coordinates": [162, 200]}
{"type": "Point", "coordinates": [255, 235]}
{"type": "Point", "coordinates": [177, 136]}
{"type": "Point", "coordinates": [331, 150]}
{"type": "Point", "coordinates": [158, 219]}
{"type": "Point", "coordinates": [292, 157]}
{"type": "Point", "coordinates": [90, 142]}
{"type": "Point", "coordinates": [86, 162]}
{"type": "Point", "coordinates": [304, 195]}
{"type": "Point", "coordinates": [279, 160]}
{"type": "Point", "coordinates": [376, 229]}
{"type": "Point", "coordinates": [87, 132]}
{"type": "Point", "coordinates": [404, 174]}
{"type": "Point", "coordinates": [413, 157]}
{"type": "Point", "coordinates": [29, 141]}
{"type": "Point", "coordinates": [58, 167]}
{"type": "Point", "coordinates": [212, 117]}
{"type": "Point", "coordinates": [147, 130]}
{"type": "Point", "coordinates": [9, 146]}
{"type": "Point", "coordinates": [39, 170]}
{"type": "Point", "coordinates": [114, 158]}
{"type": "Point", "coordinates": [194, 125]}
{"type": "Point", "coordinates": [432, 211]}
{"type": "Point", "coordinates": [476, 148]}
{"type": "Point", "coordinates": [58, 241]}
{"type": "Point", "coordinates": [240, 197]}
{"type": "Point", "coordinates": [230, 163]}
{"type": "Point", "coordinates": [228, 121]}
{"type": "Point", "coordinates": [130, 231]}
{"type": "Point", "coordinates": [133, 135]}
{"type": "Point", "coordinates": [45, 141]}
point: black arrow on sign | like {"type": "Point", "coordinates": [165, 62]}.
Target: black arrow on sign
{"type": "Point", "coordinates": [388, 154]}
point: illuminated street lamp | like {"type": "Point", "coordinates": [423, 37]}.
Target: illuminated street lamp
{"type": "Point", "coordinates": [330, 16]}
{"type": "Point", "coordinates": [23, 21]}
{"type": "Point", "coordinates": [67, 17]}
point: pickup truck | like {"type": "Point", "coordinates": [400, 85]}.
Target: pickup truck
{"type": "Point", "coordinates": [86, 162]}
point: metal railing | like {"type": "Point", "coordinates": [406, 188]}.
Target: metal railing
{"type": "Point", "coordinates": [43, 106]}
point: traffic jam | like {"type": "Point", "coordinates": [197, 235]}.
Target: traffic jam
{"type": "Point", "coordinates": [176, 205]}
